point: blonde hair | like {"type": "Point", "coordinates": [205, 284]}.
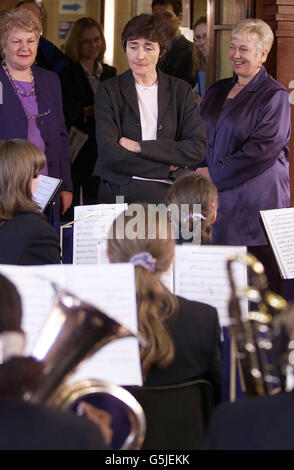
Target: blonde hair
{"type": "Point", "coordinates": [254, 26]}
{"type": "Point", "coordinates": [19, 19]}
{"type": "Point", "coordinates": [154, 301]}
{"type": "Point", "coordinates": [196, 189]}
{"type": "Point", "coordinates": [20, 162]}
{"type": "Point", "coordinates": [73, 43]}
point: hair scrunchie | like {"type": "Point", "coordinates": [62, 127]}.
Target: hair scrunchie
{"type": "Point", "coordinates": [144, 260]}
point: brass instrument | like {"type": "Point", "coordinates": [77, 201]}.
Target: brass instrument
{"type": "Point", "coordinates": [254, 335]}
{"type": "Point", "coordinates": [74, 331]}
{"type": "Point", "coordinates": [283, 343]}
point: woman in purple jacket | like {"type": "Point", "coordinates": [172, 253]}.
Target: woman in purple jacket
{"type": "Point", "coordinates": [31, 107]}
{"type": "Point", "coordinates": [247, 121]}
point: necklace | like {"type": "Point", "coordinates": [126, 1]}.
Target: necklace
{"type": "Point", "coordinates": [240, 84]}
{"type": "Point", "coordinates": [16, 88]}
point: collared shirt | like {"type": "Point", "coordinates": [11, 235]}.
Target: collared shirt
{"type": "Point", "coordinates": [93, 80]}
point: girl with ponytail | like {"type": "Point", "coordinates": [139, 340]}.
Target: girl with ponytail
{"type": "Point", "coordinates": [183, 337]}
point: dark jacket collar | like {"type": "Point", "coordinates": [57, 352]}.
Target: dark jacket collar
{"type": "Point", "coordinates": [128, 89]}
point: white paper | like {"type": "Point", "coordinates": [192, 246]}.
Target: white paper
{"type": "Point", "coordinates": [88, 232]}
{"type": "Point", "coordinates": [111, 288]}
{"type": "Point", "coordinates": [77, 139]}
{"type": "Point", "coordinates": [45, 190]}
{"type": "Point", "coordinates": [279, 225]}
{"type": "Point", "coordinates": [201, 275]}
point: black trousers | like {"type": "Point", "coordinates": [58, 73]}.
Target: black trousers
{"type": "Point", "coordinates": [151, 192]}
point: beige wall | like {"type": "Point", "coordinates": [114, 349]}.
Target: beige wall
{"type": "Point", "coordinates": [54, 17]}
{"type": "Point", "coordinates": [6, 4]}
{"type": "Point", "coordinates": [199, 9]}
{"type": "Point", "coordinates": [123, 13]}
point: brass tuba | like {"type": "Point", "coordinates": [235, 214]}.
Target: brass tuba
{"type": "Point", "coordinates": [74, 331]}
{"type": "Point", "coordinates": [253, 335]}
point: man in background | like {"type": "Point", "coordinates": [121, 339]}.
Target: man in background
{"type": "Point", "coordinates": [178, 61]}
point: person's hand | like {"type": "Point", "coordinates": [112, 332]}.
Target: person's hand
{"type": "Point", "coordinates": [88, 111]}
{"type": "Point", "coordinates": [66, 200]}
{"type": "Point", "coordinates": [203, 171]}
{"type": "Point", "coordinates": [198, 100]}
{"type": "Point", "coordinates": [173, 168]}
{"type": "Point", "coordinates": [131, 145]}
{"type": "Point", "coordinates": [99, 417]}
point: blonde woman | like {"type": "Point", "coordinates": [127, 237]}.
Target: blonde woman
{"type": "Point", "coordinates": [85, 48]}
{"type": "Point", "coordinates": [247, 122]}
{"type": "Point", "coordinates": [26, 238]}
{"type": "Point", "coordinates": [183, 340]}
{"type": "Point", "coordinates": [32, 108]}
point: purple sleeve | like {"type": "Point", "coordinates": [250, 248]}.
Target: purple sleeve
{"type": "Point", "coordinates": [259, 152]}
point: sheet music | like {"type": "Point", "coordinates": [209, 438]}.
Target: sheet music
{"type": "Point", "coordinates": [36, 294]}
{"type": "Point", "coordinates": [279, 225]}
{"type": "Point", "coordinates": [113, 291]}
{"type": "Point", "coordinates": [46, 189]}
{"type": "Point", "coordinates": [201, 274]}
{"type": "Point", "coordinates": [89, 231]}
{"type": "Point", "coordinates": [111, 288]}
{"type": "Point", "coordinates": [167, 278]}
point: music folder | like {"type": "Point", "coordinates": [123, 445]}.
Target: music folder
{"type": "Point", "coordinates": [46, 190]}
{"type": "Point", "coordinates": [279, 228]}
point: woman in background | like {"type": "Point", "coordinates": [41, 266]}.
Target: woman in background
{"type": "Point", "coordinates": [247, 121]}
{"type": "Point", "coordinates": [26, 238]}
{"type": "Point", "coordinates": [85, 47]}
{"type": "Point", "coordinates": [147, 125]}
{"type": "Point", "coordinates": [32, 104]}
{"type": "Point", "coordinates": [200, 55]}
{"type": "Point", "coordinates": [183, 337]}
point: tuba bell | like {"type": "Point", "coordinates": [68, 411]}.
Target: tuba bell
{"type": "Point", "coordinates": [253, 335]}
{"type": "Point", "coordinates": [74, 331]}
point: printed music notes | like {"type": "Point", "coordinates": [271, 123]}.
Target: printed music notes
{"type": "Point", "coordinates": [110, 287]}
{"type": "Point", "coordinates": [200, 274]}
{"type": "Point", "coordinates": [279, 226]}
{"type": "Point", "coordinates": [46, 190]}
{"type": "Point", "coordinates": [88, 231]}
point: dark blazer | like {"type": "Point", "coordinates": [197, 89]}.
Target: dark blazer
{"type": "Point", "coordinates": [178, 61]}
{"type": "Point", "coordinates": [28, 239]}
{"type": "Point", "coordinates": [180, 140]}
{"type": "Point", "coordinates": [77, 94]}
{"type": "Point", "coordinates": [247, 155]}
{"type": "Point", "coordinates": [260, 423]}
{"type": "Point", "coordinates": [195, 331]}
{"type": "Point", "coordinates": [14, 122]}
{"type": "Point", "coordinates": [50, 57]}
{"type": "Point", "coordinates": [33, 427]}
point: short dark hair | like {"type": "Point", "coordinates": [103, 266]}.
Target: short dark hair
{"type": "Point", "coordinates": [147, 27]}
{"type": "Point", "coordinates": [201, 20]}
{"type": "Point", "coordinates": [176, 4]}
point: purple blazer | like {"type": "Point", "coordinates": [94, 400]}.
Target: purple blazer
{"type": "Point", "coordinates": [248, 155]}
{"type": "Point", "coordinates": [14, 123]}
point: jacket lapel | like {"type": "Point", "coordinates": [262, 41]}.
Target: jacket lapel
{"type": "Point", "coordinates": [164, 95]}
{"type": "Point", "coordinates": [241, 97]}
{"type": "Point", "coordinates": [128, 90]}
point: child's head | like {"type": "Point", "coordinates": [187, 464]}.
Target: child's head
{"type": "Point", "coordinates": [192, 190]}
{"type": "Point", "coordinates": [20, 162]}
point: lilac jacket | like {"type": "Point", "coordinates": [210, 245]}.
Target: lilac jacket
{"type": "Point", "coordinates": [248, 155]}
{"type": "Point", "coordinates": [14, 123]}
